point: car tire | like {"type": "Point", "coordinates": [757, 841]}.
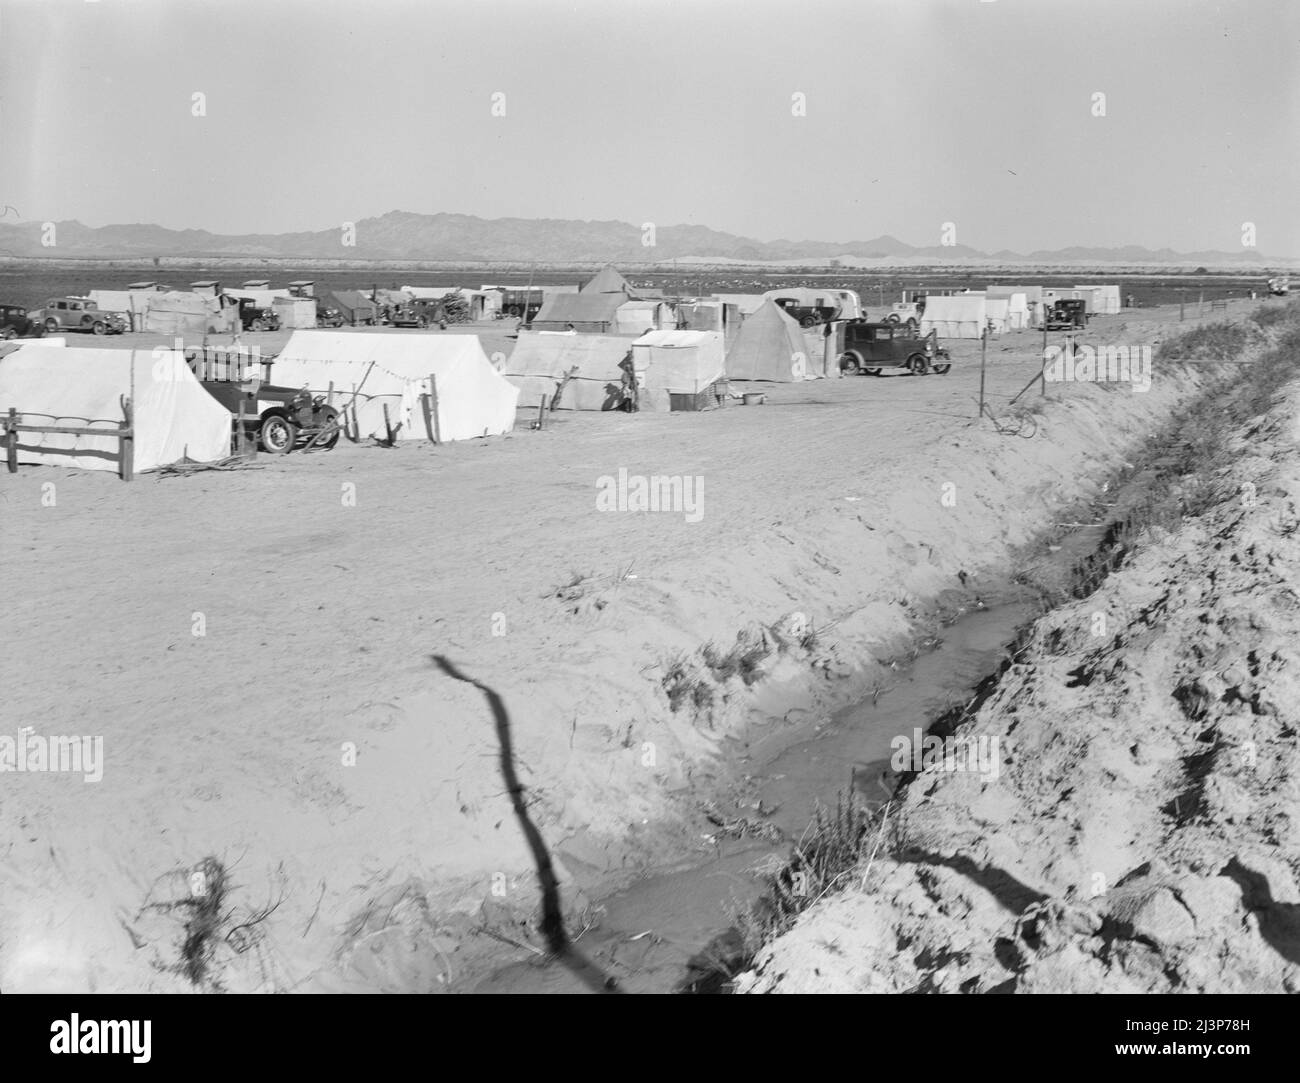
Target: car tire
{"type": "Point", "coordinates": [257, 325]}
{"type": "Point", "coordinates": [942, 370]}
{"type": "Point", "coordinates": [98, 328]}
{"type": "Point", "coordinates": [8, 333]}
{"type": "Point", "coordinates": [892, 318]}
{"type": "Point", "coordinates": [808, 321]}
{"type": "Point", "coordinates": [872, 372]}
{"type": "Point", "coordinates": [51, 326]}
{"type": "Point", "coordinates": [850, 363]}
{"type": "Point", "coordinates": [277, 435]}
{"type": "Point", "coordinates": [919, 364]}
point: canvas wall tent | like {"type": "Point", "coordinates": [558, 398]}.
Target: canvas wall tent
{"type": "Point", "coordinates": [295, 312]}
{"type": "Point", "coordinates": [962, 316]}
{"type": "Point", "coordinates": [635, 317]}
{"type": "Point", "coordinates": [473, 399]}
{"type": "Point", "coordinates": [679, 362]}
{"type": "Point", "coordinates": [1019, 314]}
{"type": "Point", "coordinates": [178, 313]}
{"type": "Point", "coordinates": [483, 304]}
{"type": "Point", "coordinates": [769, 346]}
{"type": "Point", "coordinates": [174, 417]}
{"type": "Point", "coordinates": [541, 360]}
{"type": "Point", "coordinates": [995, 311]}
{"type": "Point", "coordinates": [595, 313]}
{"type": "Point", "coordinates": [355, 306]}
{"type": "Point", "coordinates": [1105, 299]}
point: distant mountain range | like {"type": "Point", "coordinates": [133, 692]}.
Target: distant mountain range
{"type": "Point", "coordinates": [401, 235]}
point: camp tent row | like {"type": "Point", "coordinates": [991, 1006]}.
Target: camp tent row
{"type": "Point", "coordinates": [1105, 299]}
{"type": "Point", "coordinates": [170, 312]}
{"type": "Point", "coordinates": [423, 387]}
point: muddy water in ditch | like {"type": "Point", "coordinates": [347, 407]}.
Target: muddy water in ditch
{"type": "Point", "coordinates": [650, 930]}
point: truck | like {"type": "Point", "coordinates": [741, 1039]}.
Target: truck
{"type": "Point", "coordinates": [278, 418]}
{"type": "Point", "coordinates": [253, 317]}
{"type": "Point", "coordinates": [1067, 315]}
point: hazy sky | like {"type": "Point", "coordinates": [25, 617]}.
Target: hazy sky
{"type": "Point", "coordinates": [918, 112]}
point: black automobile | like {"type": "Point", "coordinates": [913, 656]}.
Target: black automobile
{"type": "Point", "coordinates": [253, 317]}
{"type": "Point", "coordinates": [871, 347]}
{"type": "Point", "coordinates": [16, 323]}
{"type": "Point", "coordinates": [1067, 315]}
{"type": "Point", "coordinates": [279, 418]}
{"type": "Point", "coordinates": [419, 313]}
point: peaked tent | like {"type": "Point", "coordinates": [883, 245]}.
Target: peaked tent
{"type": "Point", "coordinates": [608, 280]}
{"type": "Point", "coordinates": [473, 399]}
{"type": "Point", "coordinates": [540, 361]}
{"type": "Point", "coordinates": [596, 313]}
{"type": "Point", "coordinates": [963, 316]}
{"type": "Point", "coordinates": [770, 346]}
{"type": "Point", "coordinates": [173, 417]}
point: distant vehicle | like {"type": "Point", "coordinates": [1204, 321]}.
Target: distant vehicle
{"type": "Point", "coordinates": [419, 313]}
{"type": "Point", "coordinates": [524, 303]}
{"type": "Point", "coordinates": [812, 305]}
{"type": "Point", "coordinates": [1279, 286]}
{"type": "Point", "coordinates": [78, 314]}
{"type": "Point", "coordinates": [1067, 315]}
{"type": "Point", "coordinates": [871, 347]}
{"type": "Point", "coordinates": [252, 317]}
{"type": "Point", "coordinates": [16, 323]}
{"type": "Point", "coordinates": [327, 315]}
{"type": "Point", "coordinates": [908, 313]}
{"type": "Point", "coordinates": [279, 418]}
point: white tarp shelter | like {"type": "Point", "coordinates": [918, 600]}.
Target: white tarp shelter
{"type": "Point", "coordinates": [635, 317]}
{"type": "Point", "coordinates": [596, 364]}
{"type": "Point", "coordinates": [1105, 299]}
{"type": "Point", "coordinates": [174, 417]}
{"type": "Point", "coordinates": [679, 362]}
{"type": "Point", "coordinates": [473, 399]}
{"type": "Point", "coordinates": [962, 316]}
{"type": "Point", "coordinates": [295, 312]}
{"type": "Point", "coordinates": [996, 312]}
{"type": "Point", "coordinates": [181, 313]}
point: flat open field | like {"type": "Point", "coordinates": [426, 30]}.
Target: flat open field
{"type": "Point", "coordinates": [259, 650]}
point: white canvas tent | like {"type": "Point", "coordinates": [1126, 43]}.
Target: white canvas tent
{"type": "Point", "coordinates": [635, 317]}
{"type": "Point", "coordinates": [996, 313]}
{"type": "Point", "coordinates": [769, 346]}
{"type": "Point", "coordinates": [679, 362]}
{"type": "Point", "coordinates": [1105, 299]}
{"type": "Point", "coordinates": [1018, 311]}
{"type": "Point", "coordinates": [134, 304]}
{"type": "Point", "coordinates": [295, 312]}
{"type": "Point", "coordinates": [541, 360]}
{"type": "Point", "coordinates": [181, 313]}
{"type": "Point", "coordinates": [174, 417]}
{"type": "Point", "coordinates": [962, 316]}
{"type": "Point", "coordinates": [473, 399]}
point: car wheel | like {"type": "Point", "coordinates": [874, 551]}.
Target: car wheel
{"type": "Point", "coordinates": [849, 364]}
{"type": "Point", "coordinates": [872, 372]}
{"type": "Point", "coordinates": [328, 417]}
{"type": "Point", "coordinates": [892, 318]}
{"type": "Point", "coordinates": [51, 326]}
{"type": "Point", "coordinates": [808, 321]}
{"type": "Point", "coordinates": [918, 364]}
{"type": "Point", "coordinates": [98, 328]}
{"type": "Point", "coordinates": [277, 435]}
{"type": "Point", "coordinates": [8, 333]}
{"type": "Point", "coordinates": [257, 325]}
{"type": "Point", "coordinates": [942, 370]}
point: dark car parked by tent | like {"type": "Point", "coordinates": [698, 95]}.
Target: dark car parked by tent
{"type": "Point", "coordinates": [16, 323]}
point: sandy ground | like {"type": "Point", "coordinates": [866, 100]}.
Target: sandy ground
{"type": "Point", "coordinates": [1142, 834]}
{"type": "Point", "coordinates": [234, 637]}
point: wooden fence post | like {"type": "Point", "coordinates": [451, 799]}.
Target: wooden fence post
{"type": "Point", "coordinates": [126, 440]}
{"type": "Point", "coordinates": [433, 408]}
{"type": "Point", "coordinates": [11, 441]}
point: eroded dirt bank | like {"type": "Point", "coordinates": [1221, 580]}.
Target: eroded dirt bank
{"type": "Point", "coordinates": [853, 509]}
{"type": "Point", "coordinates": [1142, 833]}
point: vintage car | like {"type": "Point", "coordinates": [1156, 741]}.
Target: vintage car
{"type": "Point", "coordinates": [78, 314]}
{"type": "Point", "coordinates": [16, 323]}
{"type": "Point", "coordinates": [871, 347]}
{"type": "Point", "coordinates": [253, 317]}
{"type": "Point", "coordinates": [419, 313]}
{"type": "Point", "coordinates": [279, 418]}
{"type": "Point", "coordinates": [1067, 315]}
